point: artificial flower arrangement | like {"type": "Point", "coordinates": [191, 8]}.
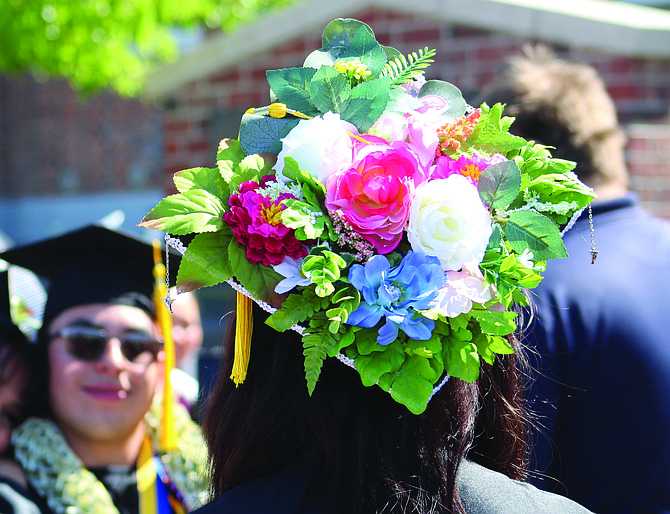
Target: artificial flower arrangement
{"type": "Point", "coordinates": [398, 224]}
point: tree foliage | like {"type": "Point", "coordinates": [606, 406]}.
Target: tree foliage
{"type": "Point", "coordinates": [97, 44]}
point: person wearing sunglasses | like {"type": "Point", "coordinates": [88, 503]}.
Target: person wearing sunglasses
{"type": "Point", "coordinates": [102, 357]}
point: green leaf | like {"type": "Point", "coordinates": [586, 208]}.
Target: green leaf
{"type": "Point", "coordinates": [252, 167]}
{"type": "Point", "coordinates": [317, 343]}
{"type": "Point", "coordinates": [488, 346]}
{"type": "Point", "coordinates": [453, 96]}
{"type": "Point", "coordinates": [292, 86]}
{"type": "Point", "coordinates": [499, 323]}
{"type": "Point", "coordinates": [366, 342]}
{"type": "Point", "coordinates": [192, 211]}
{"type": "Point", "coordinates": [364, 46]}
{"type": "Point", "coordinates": [413, 385]}
{"type": "Point", "coordinates": [322, 57]}
{"type": "Point", "coordinates": [205, 262]}
{"type": "Point", "coordinates": [499, 184]}
{"type": "Point", "coordinates": [258, 279]}
{"type": "Point", "coordinates": [259, 134]}
{"type": "Point", "coordinates": [528, 229]}
{"type": "Point", "coordinates": [490, 136]}
{"type": "Point", "coordinates": [228, 156]}
{"type": "Point", "coordinates": [323, 269]}
{"type": "Point", "coordinates": [295, 309]}
{"type": "Point", "coordinates": [367, 104]}
{"type": "Point", "coordinates": [371, 367]}
{"type": "Point", "coordinates": [461, 359]}
{"type": "Point", "coordinates": [330, 90]}
{"type": "Point", "coordinates": [340, 33]}
{"type": "Point", "coordinates": [201, 178]}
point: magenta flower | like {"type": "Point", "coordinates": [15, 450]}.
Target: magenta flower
{"type": "Point", "coordinates": [255, 220]}
{"type": "Point", "coordinates": [470, 167]}
{"type": "Point", "coordinates": [373, 194]}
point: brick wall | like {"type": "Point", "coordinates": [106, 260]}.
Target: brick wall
{"type": "Point", "coordinates": [467, 57]}
{"type": "Point", "coordinates": [57, 142]}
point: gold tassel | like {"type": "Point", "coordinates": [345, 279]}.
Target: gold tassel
{"type": "Point", "coordinates": [243, 330]}
{"type": "Point", "coordinates": [167, 430]}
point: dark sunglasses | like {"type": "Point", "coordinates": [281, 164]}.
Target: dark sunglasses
{"type": "Point", "coordinates": [89, 343]}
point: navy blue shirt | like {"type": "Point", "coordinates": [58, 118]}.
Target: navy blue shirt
{"type": "Point", "coordinates": [604, 342]}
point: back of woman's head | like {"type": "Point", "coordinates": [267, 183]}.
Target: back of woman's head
{"type": "Point", "coordinates": [364, 451]}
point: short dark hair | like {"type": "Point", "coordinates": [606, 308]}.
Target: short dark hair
{"type": "Point", "coordinates": [564, 105]}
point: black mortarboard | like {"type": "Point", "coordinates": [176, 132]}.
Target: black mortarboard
{"type": "Point", "coordinates": [93, 264]}
{"type": "Point", "coordinates": [7, 327]}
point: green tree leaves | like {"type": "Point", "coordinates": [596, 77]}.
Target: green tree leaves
{"type": "Point", "coordinates": [97, 45]}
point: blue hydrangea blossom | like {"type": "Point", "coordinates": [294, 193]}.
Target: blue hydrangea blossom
{"type": "Point", "coordinates": [397, 294]}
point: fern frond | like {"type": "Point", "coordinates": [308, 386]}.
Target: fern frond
{"type": "Point", "coordinates": [317, 344]}
{"type": "Point", "coordinates": [403, 69]}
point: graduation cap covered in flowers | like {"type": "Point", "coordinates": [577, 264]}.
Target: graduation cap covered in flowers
{"type": "Point", "coordinates": [398, 224]}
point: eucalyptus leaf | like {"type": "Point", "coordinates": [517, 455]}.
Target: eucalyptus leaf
{"type": "Point", "coordinates": [341, 32]}
{"type": "Point", "coordinates": [322, 57]}
{"type": "Point", "coordinates": [528, 229]}
{"type": "Point", "coordinates": [456, 105]}
{"type": "Point", "coordinates": [400, 102]}
{"type": "Point", "coordinates": [391, 53]}
{"type": "Point", "coordinates": [499, 184]}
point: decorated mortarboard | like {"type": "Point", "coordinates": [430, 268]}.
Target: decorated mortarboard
{"type": "Point", "coordinates": [93, 264]}
{"type": "Point", "coordinates": [376, 213]}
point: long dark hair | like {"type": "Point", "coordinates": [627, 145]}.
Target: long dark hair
{"type": "Point", "coordinates": [366, 452]}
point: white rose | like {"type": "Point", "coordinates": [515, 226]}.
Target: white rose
{"type": "Point", "coordinates": [321, 146]}
{"type": "Point", "coordinates": [447, 219]}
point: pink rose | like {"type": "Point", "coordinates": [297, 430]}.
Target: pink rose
{"type": "Point", "coordinates": [374, 193]}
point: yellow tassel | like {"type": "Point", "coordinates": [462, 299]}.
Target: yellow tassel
{"type": "Point", "coordinates": [243, 330]}
{"type": "Point", "coordinates": [167, 431]}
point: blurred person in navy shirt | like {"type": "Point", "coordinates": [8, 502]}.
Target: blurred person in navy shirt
{"type": "Point", "coordinates": [601, 330]}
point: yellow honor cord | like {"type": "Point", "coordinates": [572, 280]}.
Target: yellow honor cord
{"type": "Point", "coordinates": [167, 431]}
{"type": "Point", "coordinates": [146, 478]}
{"type": "Point", "coordinates": [243, 330]}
